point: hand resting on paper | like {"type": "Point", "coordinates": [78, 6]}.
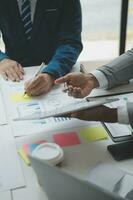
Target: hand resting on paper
{"type": "Point", "coordinates": [99, 113]}
{"type": "Point", "coordinates": [11, 70]}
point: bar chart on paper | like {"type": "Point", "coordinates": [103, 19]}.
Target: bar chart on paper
{"type": "Point", "coordinates": [18, 104]}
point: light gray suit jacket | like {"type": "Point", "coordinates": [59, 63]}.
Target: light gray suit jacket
{"type": "Point", "coordinates": [119, 71]}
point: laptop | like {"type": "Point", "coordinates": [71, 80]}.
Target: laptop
{"type": "Point", "coordinates": [59, 185]}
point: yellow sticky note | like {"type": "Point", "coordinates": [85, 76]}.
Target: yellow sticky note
{"type": "Point", "coordinates": [93, 133]}
{"type": "Point", "coordinates": [24, 156]}
{"type": "Point", "coordinates": [19, 97]}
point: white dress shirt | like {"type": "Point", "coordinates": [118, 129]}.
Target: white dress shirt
{"type": "Point", "coordinates": [122, 113]}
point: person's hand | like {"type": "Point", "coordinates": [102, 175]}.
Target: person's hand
{"type": "Point", "coordinates": [100, 113]}
{"type": "Point", "coordinates": [11, 70]}
{"type": "Point", "coordinates": [41, 84]}
{"type": "Point", "coordinates": [78, 84]}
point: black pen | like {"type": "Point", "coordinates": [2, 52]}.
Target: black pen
{"type": "Point", "coordinates": [41, 66]}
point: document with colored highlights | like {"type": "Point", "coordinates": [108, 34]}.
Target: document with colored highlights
{"type": "Point", "coordinates": [55, 103]}
{"type": "Point", "coordinates": [19, 97]}
{"type": "Point", "coordinates": [19, 106]}
{"type": "Point", "coordinates": [16, 106]}
{"type": "Point", "coordinates": [60, 110]}
{"type": "Point", "coordinates": [15, 100]}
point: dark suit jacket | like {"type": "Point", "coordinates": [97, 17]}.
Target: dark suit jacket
{"type": "Point", "coordinates": [56, 34]}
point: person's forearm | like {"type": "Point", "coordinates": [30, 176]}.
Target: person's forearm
{"type": "Point", "coordinates": [122, 114]}
{"type": "Point", "coordinates": [63, 60]}
{"type": "Point", "coordinates": [100, 113]}
{"type": "Point", "coordinates": [106, 115]}
{"type": "Point", "coordinates": [119, 70]}
{"type": "Point", "coordinates": [69, 43]}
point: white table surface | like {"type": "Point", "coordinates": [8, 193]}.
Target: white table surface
{"type": "Point", "coordinates": [78, 160]}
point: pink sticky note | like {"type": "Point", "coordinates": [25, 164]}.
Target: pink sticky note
{"type": "Point", "coordinates": [66, 139]}
{"type": "Point", "coordinates": [25, 148]}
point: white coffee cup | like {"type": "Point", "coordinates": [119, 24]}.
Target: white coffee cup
{"type": "Point", "coordinates": [49, 152]}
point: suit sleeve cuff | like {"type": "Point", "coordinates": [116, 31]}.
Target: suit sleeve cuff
{"type": "Point", "coordinates": [122, 113]}
{"type": "Point", "coordinates": [53, 69]}
{"type": "Point", "coordinates": [103, 82]}
{"type": "Point", "coordinates": [3, 56]}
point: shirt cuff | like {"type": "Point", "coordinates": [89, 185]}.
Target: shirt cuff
{"type": "Point", "coordinates": [103, 81]}
{"type": "Point", "coordinates": [122, 113]}
{"type": "Point", "coordinates": [3, 56]}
